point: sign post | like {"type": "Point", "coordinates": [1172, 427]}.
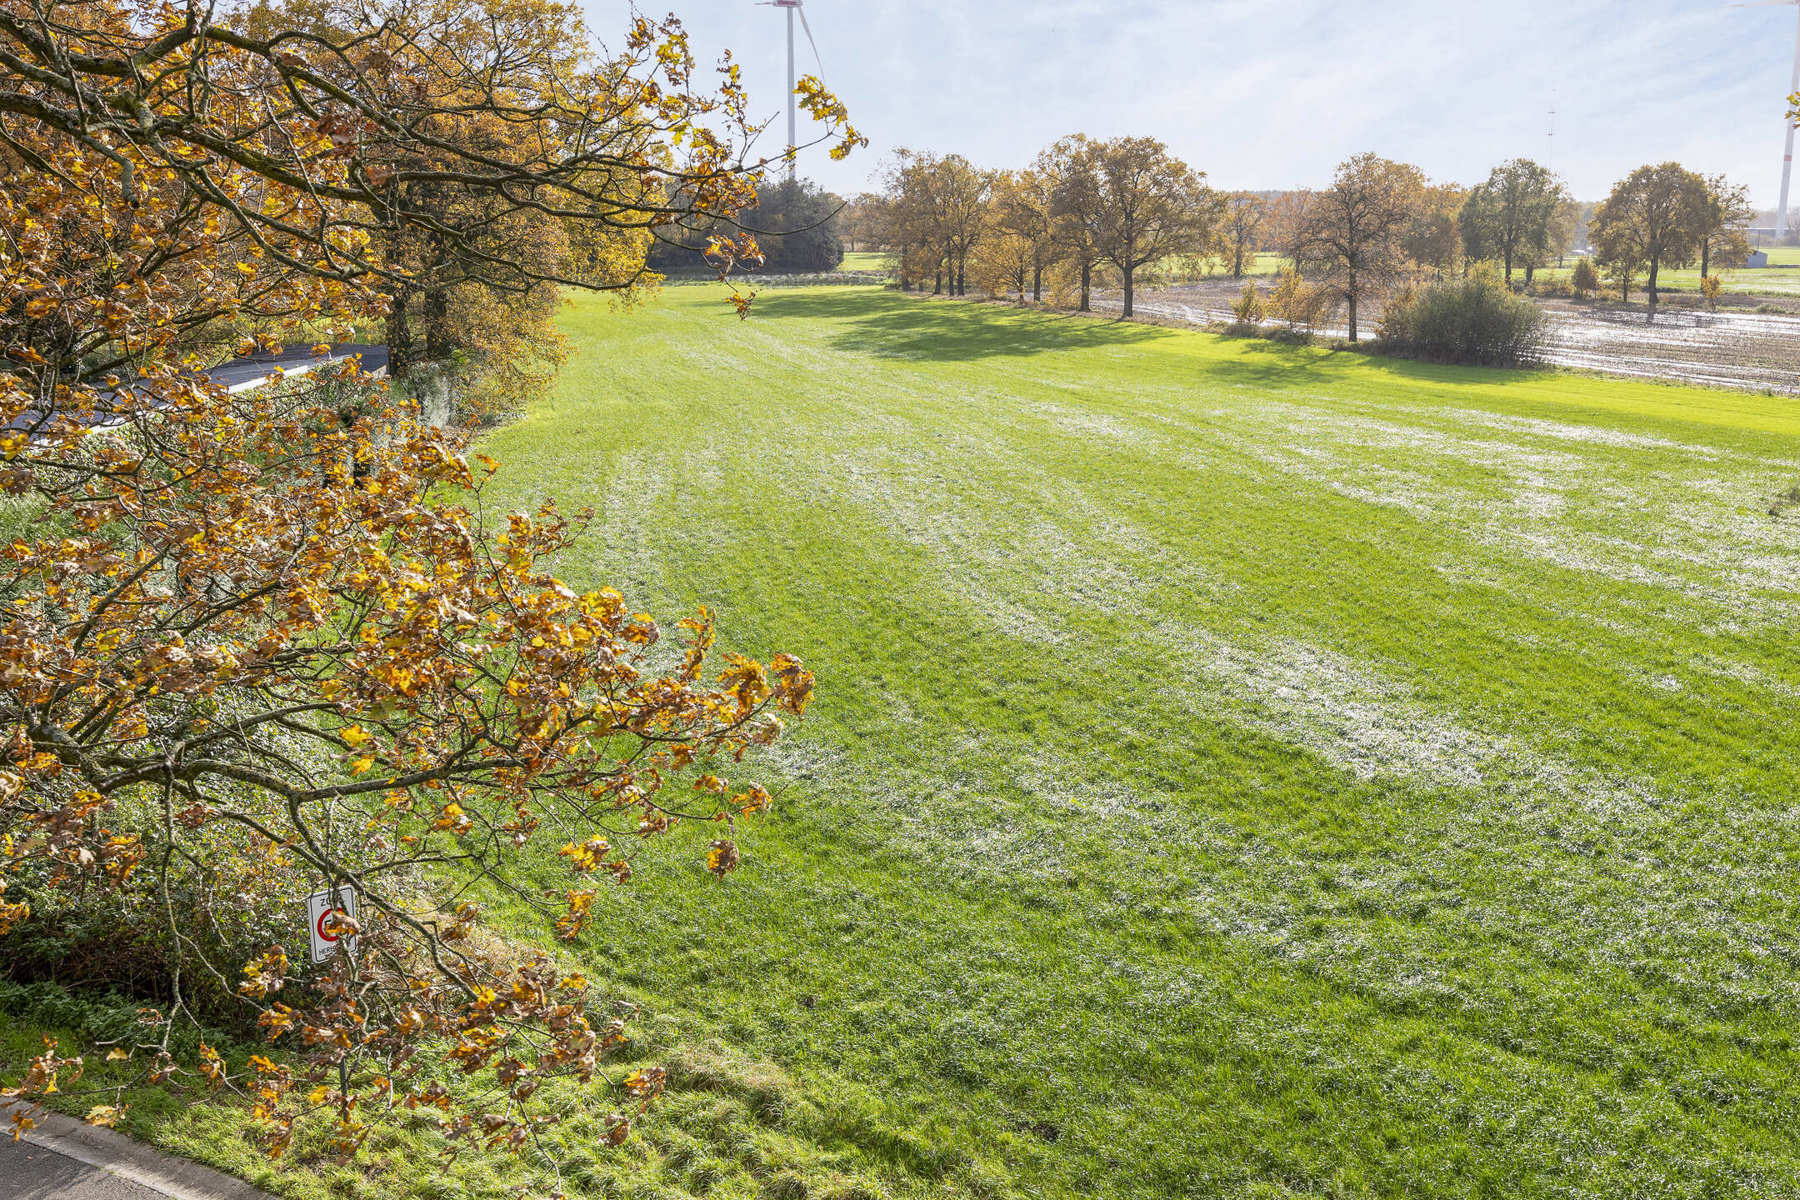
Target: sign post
{"type": "Point", "coordinates": [322, 911]}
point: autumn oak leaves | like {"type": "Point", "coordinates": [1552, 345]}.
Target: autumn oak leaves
{"type": "Point", "coordinates": [253, 644]}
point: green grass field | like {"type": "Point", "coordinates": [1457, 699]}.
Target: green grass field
{"type": "Point", "coordinates": [1237, 770]}
{"type": "Point", "coordinates": [866, 260]}
{"type": "Point", "coordinates": [1780, 278]}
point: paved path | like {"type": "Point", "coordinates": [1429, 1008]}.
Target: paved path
{"type": "Point", "coordinates": [64, 1159]}
{"type": "Point", "coordinates": [253, 369]}
{"type": "Point", "coordinates": [30, 1172]}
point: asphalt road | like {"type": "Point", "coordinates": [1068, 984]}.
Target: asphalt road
{"type": "Point", "coordinates": [236, 371]}
{"type": "Point", "coordinates": [251, 369]}
{"type": "Point", "coordinates": [29, 1172]}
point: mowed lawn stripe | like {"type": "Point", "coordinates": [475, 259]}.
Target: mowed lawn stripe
{"type": "Point", "coordinates": [1235, 766]}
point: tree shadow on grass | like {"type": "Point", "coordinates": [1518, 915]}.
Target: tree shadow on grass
{"type": "Point", "coordinates": [887, 325]}
{"type": "Point", "coordinates": [1266, 363]}
{"type": "Point", "coordinates": [915, 328]}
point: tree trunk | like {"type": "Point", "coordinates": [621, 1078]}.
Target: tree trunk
{"type": "Point", "coordinates": [1508, 257]}
{"type": "Point", "coordinates": [433, 384]}
{"type": "Point", "coordinates": [1650, 283]}
{"type": "Point", "coordinates": [1237, 260]}
{"type": "Point", "coordinates": [1530, 270]}
{"type": "Point", "coordinates": [937, 287]}
{"type": "Point", "coordinates": [1130, 274]}
{"type": "Point", "coordinates": [1350, 294]}
{"type": "Point", "coordinates": [1705, 257]}
{"type": "Point", "coordinates": [399, 336]}
{"type": "Point", "coordinates": [1087, 275]}
{"type": "Point", "coordinates": [437, 325]}
{"type": "Point", "coordinates": [1037, 284]}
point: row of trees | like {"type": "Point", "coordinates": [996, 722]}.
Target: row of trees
{"type": "Point", "coordinates": [1122, 203]}
{"type": "Point", "coordinates": [1126, 204]}
{"type": "Point", "coordinates": [253, 645]}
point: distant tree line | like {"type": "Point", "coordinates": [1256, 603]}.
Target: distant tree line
{"type": "Point", "coordinates": [1090, 213]}
{"type": "Point", "coordinates": [794, 224]}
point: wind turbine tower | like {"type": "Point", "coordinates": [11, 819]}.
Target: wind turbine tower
{"type": "Point", "coordinates": [1550, 134]}
{"type": "Point", "coordinates": [792, 7]}
{"type": "Point", "coordinates": [1787, 160]}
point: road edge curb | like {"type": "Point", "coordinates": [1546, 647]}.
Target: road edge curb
{"type": "Point", "coordinates": [134, 1162]}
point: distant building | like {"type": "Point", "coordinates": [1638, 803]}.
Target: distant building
{"type": "Point", "coordinates": [1758, 258]}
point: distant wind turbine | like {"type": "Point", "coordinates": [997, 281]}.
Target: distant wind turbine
{"type": "Point", "coordinates": [1550, 135]}
{"type": "Point", "coordinates": [1787, 160]}
{"type": "Point", "coordinates": [795, 6]}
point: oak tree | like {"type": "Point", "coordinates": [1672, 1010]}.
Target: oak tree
{"type": "Point", "coordinates": [1725, 215]}
{"type": "Point", "coordinates": [1654, 217]}
{"type": "Point", "coordinates": [1239, 227]}
{"type": "Point", "coordinates": [254, 644]}
{"type": "Point", "coordinates": [1511, 216]}
{"type": "Point", "coordinates": [1351, 235]}
{"type": "Point", "coordinates": [1150, 206]}
{"type": "Point", "coordinates": [1077, 207]}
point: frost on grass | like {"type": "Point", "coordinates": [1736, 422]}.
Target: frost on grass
{"type": "Point", "coordinates": [1593, 435]}
{"type": "Point", "coordinates": [1596, 865]}
{"type": "Point", "coordinates": [1625, 507]}
{"type": "Point", "coordinates": [1474, 829]}
{"type": "Point", "coordinates": [1029, 556]}
{"type": "Point", "coordinates": [1348, 716]}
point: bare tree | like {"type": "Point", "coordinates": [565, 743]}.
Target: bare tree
{"type": "Point", "coordinates": [1242, 221]}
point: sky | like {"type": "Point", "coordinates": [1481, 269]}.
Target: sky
{"type": "Point", "coordinates": [1273, 93]}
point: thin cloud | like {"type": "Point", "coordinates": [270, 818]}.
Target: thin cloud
{"type": "Point", "coordinates": [1266, 94]}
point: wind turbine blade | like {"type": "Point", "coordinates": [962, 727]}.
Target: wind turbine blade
{"type": "Point", "coordinates": [801, 9]}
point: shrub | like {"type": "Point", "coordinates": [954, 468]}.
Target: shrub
{"type": "Point", "coordinates": [1291, 337]}
{"type": "Point", "coordinates": [1248, 308]}
{"type": "Point", "coordinates": [1473, 320]}
{"type": "Point", "coordinates": [1584, 279]}
{"type": "Point", "coordinates": [1297, 302]}
{"type": "Point", "coordinates": [1710, 287]}
{"type": "Point", "coordinates": [1395, 325]}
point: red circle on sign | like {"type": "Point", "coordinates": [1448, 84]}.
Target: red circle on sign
{"type": "Point", "coordinates": [320, 924]}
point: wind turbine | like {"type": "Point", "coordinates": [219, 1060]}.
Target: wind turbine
{"type": "Point", "coordinates": [1787, 160]}
{"type": "Point", "coordinates": [795, 6]}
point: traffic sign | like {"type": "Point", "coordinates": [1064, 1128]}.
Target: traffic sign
{"type": "Point", "coordinates": [322, 911]}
